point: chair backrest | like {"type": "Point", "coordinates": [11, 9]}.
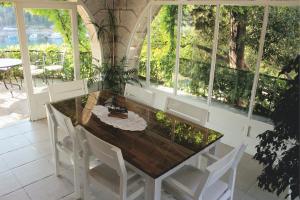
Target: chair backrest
{"type": "Point", "coordinates": [219, 168]}
{"type": "Point", "coordinates": [67, 90]}
{"type": "Point", "coordinates": [55, 57]}
{"type": "Point", "coordinates": [63, 122]}
{"type": "Point", "coordinates": [37, 58]}
{"type": "Point", "coordinates": [139, 94]}
{"type": "Point", "coordinates": [107, 154]}
{"type": "Point", "coordinates": [186, 111]}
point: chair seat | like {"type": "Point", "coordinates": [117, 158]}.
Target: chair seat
{"type": "Point", "coordinates": [108, 177]}
{"type": "Point", "coordinates": [36, 72]}
{"type": "Point", "coordinates": [54, 67]}
{"type": "Point", "coordinates": [188, 178]}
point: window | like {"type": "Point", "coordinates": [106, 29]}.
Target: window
{"type": "Point", "coordinates": [49, 41]}
{"type": "Point", "coordinates": [237, 42]}
{"type": "Point", "coordinates": [196, 43]}
{"type": "Point", "coordinates": [280, 46]}
{"type": "Point", "coordinates": [163, 45]}
{"type": "Point", "coordinates": [239, 33]}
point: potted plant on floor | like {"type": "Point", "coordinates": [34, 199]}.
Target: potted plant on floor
{"type": "Point", "coordinates": [278, 149]}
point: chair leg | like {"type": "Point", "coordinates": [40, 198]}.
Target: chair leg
{"type": "Point", "coordinates": [76, 176]}
{"type": "Point", "coordinates": [55, 153]}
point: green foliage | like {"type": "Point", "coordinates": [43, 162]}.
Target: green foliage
{"type": "Point", "coordinates": [278, 149]}
{"type": "Point", "coordinates": [282, 37]}
{"type": "Point", "coordinates": [114, 78]}
{"type": "Point", "coordinates": [169, 21]}
{"type": "Point", "coordinates": [231, 86]}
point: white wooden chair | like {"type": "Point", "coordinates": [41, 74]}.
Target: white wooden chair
{"type": "Point", "coordinates": [139, 94]}
{"type": "Point", "coordinates": [186, 111]}
{"type": "Point", "coordinates": [122, 182]}
{"type": "Point", "coordinates": [67, 90]}
{"type": "Point", "coordinates": [68, 144]}
{"type": "Point", "coordinates": [191, 183]}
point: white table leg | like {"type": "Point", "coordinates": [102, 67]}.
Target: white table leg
{"type": "Point", "coordinates": [214, 149]}
{"type": "Point", "coordinates": [153, 188]}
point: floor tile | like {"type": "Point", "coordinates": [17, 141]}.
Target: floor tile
{"type": "Point", "coordinates": [50, 188]}
{"type": "Point", "coordinates": [33, 171]}
{"type": "Point", "coordinates": [43, 147]}
{"type": "Point", "coordinates": [13, 143]}
{"type": "Point", "coordinates": [256, 193]}
{"type": "Point", "coordinates": [17, 195]}
{"type": "Point", "coordinates": [36, 136]}
{"type": "Point", "coordinates": [69, 197]}
{"type": "Point", "coordinates": [22, 156]}
{"type": "Point", "coordinates": [3, 165]}
{"type": "Point", "coordinates": [9, 132]}
{"type": "Point", "coordinates": [8, 183]}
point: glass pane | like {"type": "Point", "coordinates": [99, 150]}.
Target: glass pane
{"type": "Point", "coordinates": [239, 34]}
{"type": "Point", "coordinates": [137, 57]}
{"type": "Point", "coordinates": [9, 45]}
{"type": "Point", "coordinates": [87, 69]}
{"type": "Point", "coordinates": [195, 49]}
{"type": "Point", "coordinates": [50, 46]}
{"type": "Point", "coordinates": [163, 46]}
{"type": "Point", "coordinates": [143, 60]}
{"type": "Point", "coordinates": [281, 45]}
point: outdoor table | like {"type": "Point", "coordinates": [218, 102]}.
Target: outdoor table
{"type": "Point", "coordinates": [167, 144]}
{"type": "Point", "coordinates": [6, 64]}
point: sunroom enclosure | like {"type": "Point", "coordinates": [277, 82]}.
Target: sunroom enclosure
{"type": "Point", "coordinates": [233, 110]}
{"type": "Point", "coordinates": [239, 100]}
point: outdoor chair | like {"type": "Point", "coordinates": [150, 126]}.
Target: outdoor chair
{"type": "Point", "coordinates": [122, 182]}
{"type": "Point", "coordinates": [67, 90]}
{"type": "Point", "coordinates": [191, 183]}
{"type": "Point", "coordinates": [54, 64]}
{"type": "Point", "coordinates": [139, 94]}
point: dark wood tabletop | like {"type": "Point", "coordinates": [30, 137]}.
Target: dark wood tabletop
{"type": "Point", "coordinates": [166, 142]}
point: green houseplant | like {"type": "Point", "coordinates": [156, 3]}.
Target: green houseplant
{"type": "Point", "coordinates": [278, 149]}
{"type": "Point", "coordinates": [113, 74]}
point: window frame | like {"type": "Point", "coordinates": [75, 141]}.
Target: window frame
{"type": "Point", "coordinates": [264, 3]}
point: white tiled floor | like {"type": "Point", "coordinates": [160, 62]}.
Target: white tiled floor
{"type": "Point", "coordinates": [26, 168]}
{"type": "Point", "coordinates": [12, 108]}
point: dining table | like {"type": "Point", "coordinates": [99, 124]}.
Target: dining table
{"type": "Point", "coordinates": [6, 66]}
{"type": "Point", "coordinates": [163, 147]}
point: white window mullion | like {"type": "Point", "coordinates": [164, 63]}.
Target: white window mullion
{"type": "Point", "coordinates": [148, 67]}
{"type": "Point", "coordinates": [19, 10]}
{"type": "Point", "coordinates": [75, 43]}
{"type": "Point", "coordinates": [214, 56]}
{"type": "Point", "coordinates": [179, 22]}
{"type": "Point", "coordinates": [258, 61]}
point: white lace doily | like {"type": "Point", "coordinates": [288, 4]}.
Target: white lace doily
{"type": "Point", "coordinates": [133, 123]}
